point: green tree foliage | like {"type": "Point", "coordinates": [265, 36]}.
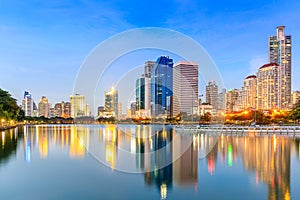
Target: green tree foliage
{"type": "Point", "coordinates": [8, 106]}
{"type": "Point", "coordinates": [295, 114]}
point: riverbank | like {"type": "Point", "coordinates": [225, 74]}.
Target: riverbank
{"type": "Point", "coordinates": [3, 128]}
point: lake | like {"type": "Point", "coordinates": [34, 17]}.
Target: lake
{"type": "Point", "coordinates": [145, 162]}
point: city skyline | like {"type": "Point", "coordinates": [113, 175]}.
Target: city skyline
{"type": "Point", "coordinates": [43, 52]}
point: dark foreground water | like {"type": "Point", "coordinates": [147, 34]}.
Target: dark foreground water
{"type": "Point", "coordinates": [140, 162]}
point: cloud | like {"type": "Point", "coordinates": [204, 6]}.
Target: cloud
{"type": "Point", "coordinates": [256, 62]}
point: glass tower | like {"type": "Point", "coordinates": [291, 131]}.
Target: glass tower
{"type": "Point", "coordinates": [161, 86]}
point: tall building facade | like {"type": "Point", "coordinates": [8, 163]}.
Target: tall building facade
{"type": "Point", "coordinates": [111, 102]}
{"type": "Point", "coordinates": [147, 75]}
{"type": "Point", "coordinates": [295, 97]}
{"type": "Point", "coordinates": [212, 95]}
{"type": "Point", "coordinates": [27, 104]}
{"type": "Point", "coordinates": [43, 107]}
{"type": "Point", "coordinates": [185, 88]}
{"type": "Point", "coordinates": [78, 106]}
{"type": "Point", "coordinates": [161, 86]}
{"type": "Point", "coordinates": [140, 93]}
{"type": "Point", "coordinates": [232, 100]}
{"type": "Point", "coordinates": [249, 88]}
{"type": "Point", "coordinates": [267, 87]}
{"type": "Point", "coordinates": [280, 52]}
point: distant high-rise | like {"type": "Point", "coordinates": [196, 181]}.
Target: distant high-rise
{"type": "Point", "coordinates": [212, 95]}
{"type": "Point", "coordinates": [27, 104]}
{"type": "Point", "coordinates": [280, 47]}
{"type": "Point", "coordinates": [295, 97]}
{"type": "Point", "coordinates": [78, 106]}
{"type": "Point", "coordinates": [147, 75]}
{"type": "Point", "coordinates": [222, 101]}
{"type": "Point", "coordinates": [267, 87]}
{"type": "Point", "coordinates": [161, 86]}
{"type": "Point", "coordinates": [111, 102]}
{"type": "Point", "coordinates": [43, 107]}
{"type": "Point", "coordinates": [185, 88]}
{"type": "Point", "coordinates": [233, 98]}
{"type": "Point", "coordinates": [249, 88]}
{"type": "Point", "coordinates": [140, 93]}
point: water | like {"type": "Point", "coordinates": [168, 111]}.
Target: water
{"type": "Point", "coordinates": [140, 162]}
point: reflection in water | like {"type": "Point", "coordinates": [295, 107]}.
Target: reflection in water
{"type": "Point", "coordinates": [8, 144]}
{"type": "Point", "coordinates": [266, 156]}
{"type": "Point", "coordinates": [152, 149]}
{"type": "Point", "coordinates": [64, 137]}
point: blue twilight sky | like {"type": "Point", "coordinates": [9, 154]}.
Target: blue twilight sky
{"type": "Point", "coordinates": [43, 43]}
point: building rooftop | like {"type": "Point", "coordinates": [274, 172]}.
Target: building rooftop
{"type": "Point", "coordinates": [269, 65]}
{"type": "Point", "coordinates": [250, 76]}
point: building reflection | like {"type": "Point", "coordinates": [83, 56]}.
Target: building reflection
{"type": "Point", "coordinates": [269, 157]}
{"type": "Point", "coordinates": [156, 148]}
{"type": "Point", "coordinates": [67, 138]}
{"type": "Point", "coordinates": [8, 144]}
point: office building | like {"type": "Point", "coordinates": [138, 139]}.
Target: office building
{"type": "Point", "coordinates": [111, 102]}
{"type": "Point", "coordinates": [267, 87]}
{"type": "Point", "coordinates": [140, 93]}
{"type": "Point", "coordinates": [27, 104]}
{"type": "Point", "coordinates": [161, 87]}
{"type": "Point", "coordinates": [43, 107]}
{"type": "Point", "coordinates": [295, 97]}
{"type": "Point", "coordinates": [232, 100]}
{"type": "Point", "coordinates": [185, 88]}
{"type": "Point", "coordinates": [78, 106]}
{"type": "Point", "coordinates": [212, 95]}
{"type": "Point", "coordinates": [249, 88]}
{"type": "Point", "coordinates": [280, 53]}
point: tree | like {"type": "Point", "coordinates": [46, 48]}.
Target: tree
{"type": "Point", "coordinates": [206, 118]}
{"type": "Point", "coordinates": [8, 106]}
{"type": "Point", "coordinates": [295, 114]}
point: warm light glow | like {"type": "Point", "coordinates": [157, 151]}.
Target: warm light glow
{"type": "Point", "coordinates": [229, 155]}
{"type": "Point", "coordinates": [3, 139]}
{"type": "Point", "coordinates": [163, 191]}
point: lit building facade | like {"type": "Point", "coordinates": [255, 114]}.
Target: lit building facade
{"type": "Point", "coordinates": [295, 97]}
{"type": "Point", "coordinates": [232, 99]}
{"type": "Point", "coordinates": [212, 95]}
{"type": "Point", "coordinates": [249, 88]}
{"type": "Point", "coordinates": [267, 87]}
{"type": "Point", "coordinates": [185, 88]}
{"type": "Point", "coordinates": [43, 107]}
{"type": "Point", "coordinates": [27, 104]}
{"type": "Point", "coordinates": [280, 52]}
{"type": "Point", "coordinates": [78, 106]}
{"type": "Point", "coordinates": [111, 102]}
{"type": "Point", "coordinates": [161, 86]}
{"type": "Point", "coordinates": [147, 75]}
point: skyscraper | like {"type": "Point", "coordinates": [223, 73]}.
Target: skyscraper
{"type": "Point", "coordinates": [78, 106]}
{"type": "Point", "coordinates": [267, 87]}
{"type": "Point", "coordinates": [185, 88]}
{"type": "Point", "coordinates": [111, 102]}
{"type": "Point", "coordinates": [232, 100]}
{"type": "Point", "coordinates": [43, 107]}
{"type": "Point", "coordinates": [212, 95]}
{"type": "Point", "coordinates": [147, 75]}
{"type": "Point", "coordinates": [249, 88]}
{"type": "Point", "coordinates": [27, 104]}
{"type": "Point", "coordinates": [280, 53]}
{"type": "Point", "coordinates": [161, 86]}
{"type": "Point", "coordinates": [140, 93]}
